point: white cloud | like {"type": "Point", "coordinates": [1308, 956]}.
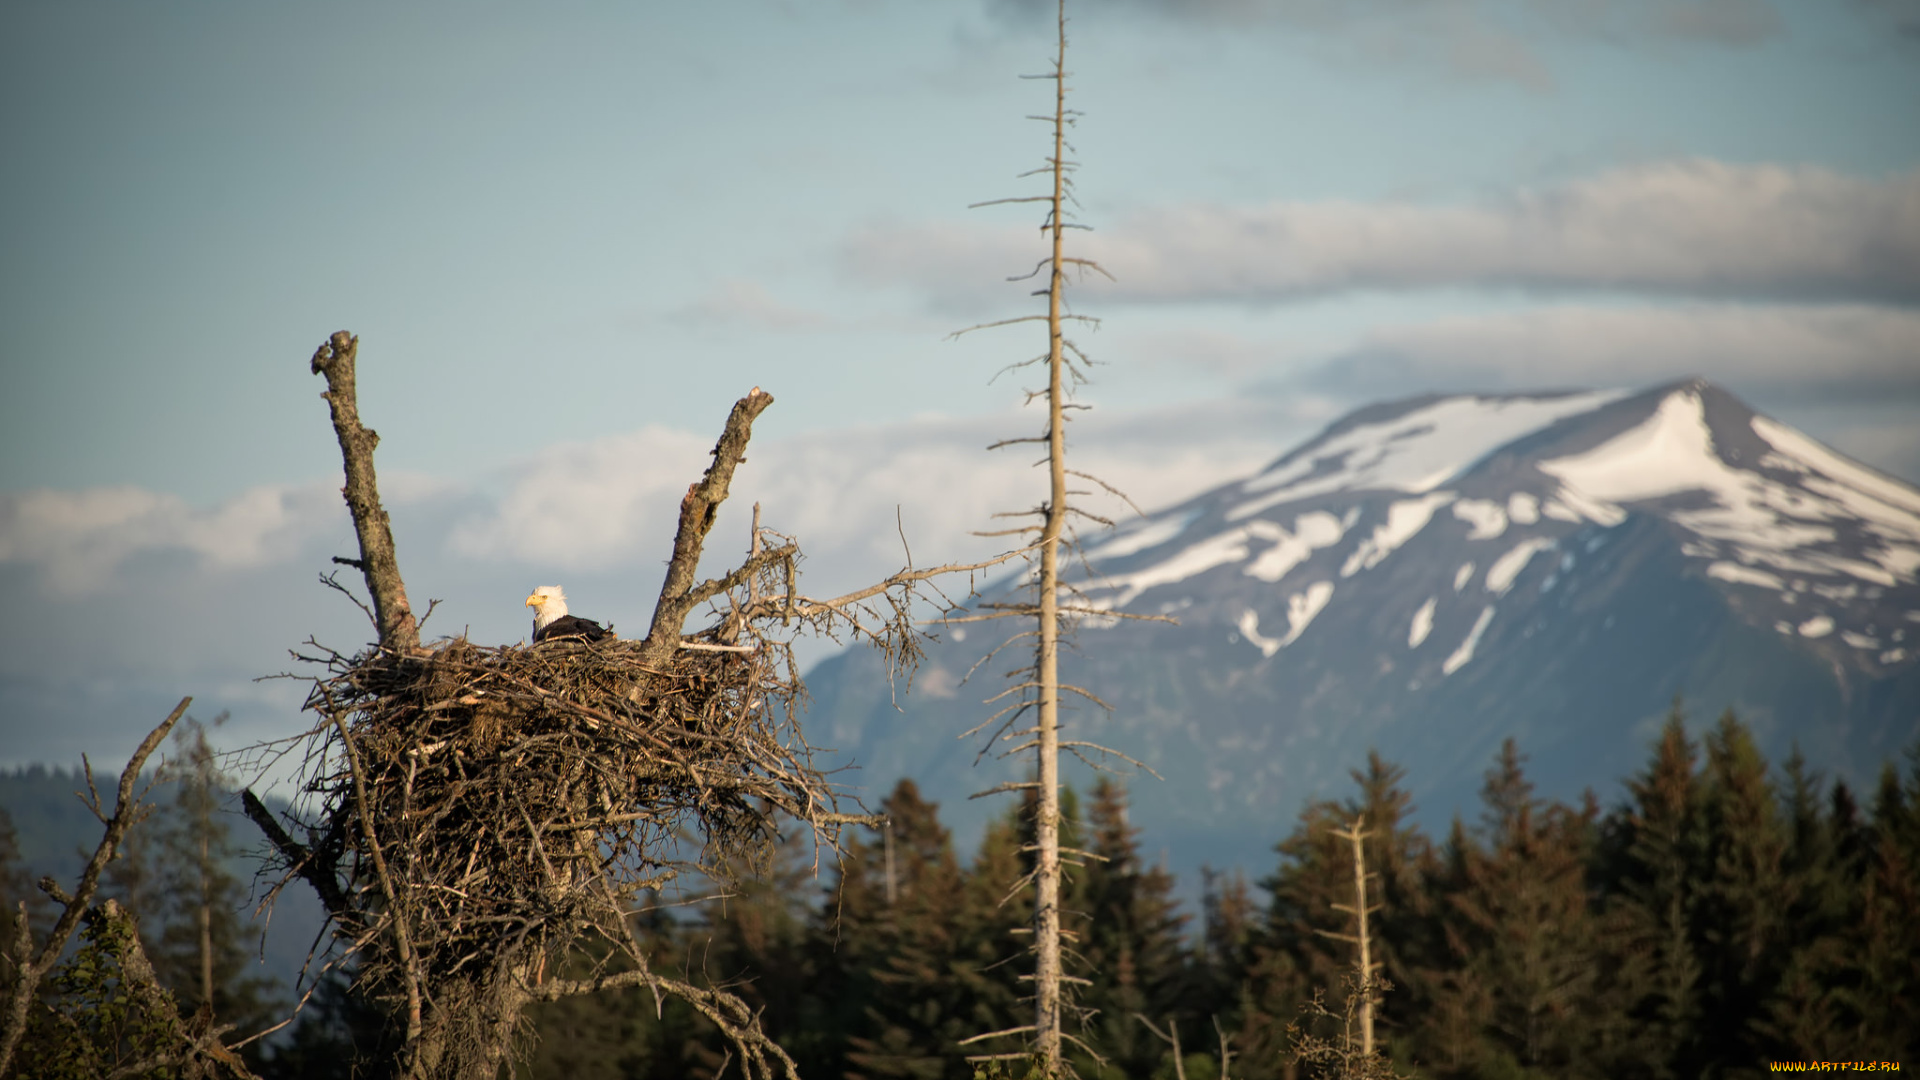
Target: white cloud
{"type": "Point", "coordinates": [615, 500]}
{"type": "Point", "coordinates": [1845, 350]}
{"type": "Point", "coordinates": [1477, 40]}
{"type": "Point", "coordinates": [80, 538]}
{"type": "Point", "coordinates": [1694, 228]}
{"type": "Point", "coordinates": [586, 505]}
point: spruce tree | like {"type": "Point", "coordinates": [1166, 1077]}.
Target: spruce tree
{"type": "Point", "coordinates": [754, 938]}
{"type": "Point", "coordinates": [1449, 1040]}
{"type": "Point", "coordinates": [897, 939]}
{"type": "Point", "coordinates": [1804, 1016]}
{"type": "Point", "coordinates": [1656, 886]}
{"type": "Point", "coordinates": [1218, 970]}
{"type": "Point", "coordinates": [1132, 938]}
{"type": "Point", "coordinates": [1300, 949]}
{"type": "Point", "coordinates": [1742, 917]}
{"type": "Point", "coordinates": [206, 953]}
{"type": "Point", "coordinates": [1887, 940]}
{"type": "Point", "coordinates": [1522, 924]}
{"type": "Point", "coordinates": [996, 910]}
{"type": "Point", "coordinates": [1294, 955]}
{"type": "Point", "coordinates": [340, 1035]}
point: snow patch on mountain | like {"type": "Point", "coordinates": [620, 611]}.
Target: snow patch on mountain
{"type": "Point", "coordinates": [1422, 624]}
{"type": "Point", "coordinates": [1415, 452]}
{"type": "Point", "coordinates": [1763, 520]}
{"type": "Point", "coordinates": [1488, 518]}
{"type": "Point", "coordinates": [1501, 575]}
{"type": "Point", "coordinates": [1249, 626]}
{"type": "Point", "coordinates": [1818, 626]}
{"type": "Point", "coordinates": [1852, 480]}
{"type": "Point", "coordinates": [1405, 519]}
{"type": "Point", "coordinates": [1462, 576]}
{"type": "Point", "coordinates": [1226, 547]}
{"type": "Point", "coordinates": [1464, 653]}
{"type": "Point", "coordinates": [1141, 536]}
{"type": "Point", "coordinates": [1302, 607]}
{"type": "Point", "coordinates": [1744, 575]}
{"type": "Point", "coordinates": [1311, 531]}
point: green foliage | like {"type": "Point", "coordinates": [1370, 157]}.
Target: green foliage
{"type": "Point", "coordinates": [89, 1021]}
{"type": "Point", "coordinates": [1723, 914]}
{"type": "Point", "coordinates": [1131, 939]}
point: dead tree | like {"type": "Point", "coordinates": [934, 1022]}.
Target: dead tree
{"type": "Point", "coordinates": [1030, 719]}
{"type": "Point", "coordinates": [1365, 969]}
{"type": "Point", "coordinates": [1171, 1037]}
{"type": "Point", "coordinates": [474, 815]}
{"type": "Point", "coordinates": [1352, 1055]}
{"type": "Point", "coordinates": [187, 1046]}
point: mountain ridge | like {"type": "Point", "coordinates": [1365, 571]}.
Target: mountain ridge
{"type": "Point", "coordinates": [1429, 576]}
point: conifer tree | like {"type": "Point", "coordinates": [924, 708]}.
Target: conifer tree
{"type": "Point", "coordinates": [1219, 968]}
{"type": "Point", "coordinates": [996, 908]}
{"type": "Point", "coordinates": [1450, 1037]}
{"type": "Point", "coordinates": [899, 917]}
{"type": "Point", "coordinates": [1805, 1012]}
{"type": "Point", "coordinates": [755, 939]}
{"type": "Point", "coordinates": [1887, 941]}
{"type": "Point", "coordinates": [204, 953]}
{"type": "Point", "coordinates": [1301, 950]}
{"type": "Point", "coordinates": [1742, 916]}
{"type": "Point", "coordinates": [1523, 928]}
{"type": "Point", "coordinates": [1132, 939]}
{"type": "Point", "coordinates": [1293, 954]}
{"type": "Point", "coordinates": [625, 1033]}
{"type": "Point", "coordinates": [1658, 876]}
{"type": "Point", "coordinates": [339, 1035]}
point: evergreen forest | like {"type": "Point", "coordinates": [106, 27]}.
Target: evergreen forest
{"type": "Point", "coordinates": [1717, 915]}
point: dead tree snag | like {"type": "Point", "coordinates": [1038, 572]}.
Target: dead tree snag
{"type": "Point", "coordinates": [393, 615]}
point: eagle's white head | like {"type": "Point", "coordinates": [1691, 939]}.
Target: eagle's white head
{"type": "Point", "coordinates": [549, 602]}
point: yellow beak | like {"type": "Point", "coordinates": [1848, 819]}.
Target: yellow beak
{"type": "Point", "coordinates": [535, 601]}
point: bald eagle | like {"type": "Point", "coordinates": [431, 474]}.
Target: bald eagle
{"type": "Point", "coordinates": [550, 618]}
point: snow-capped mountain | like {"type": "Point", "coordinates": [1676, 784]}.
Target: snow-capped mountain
{"type": "Point", "coordinates": [1430, 576]}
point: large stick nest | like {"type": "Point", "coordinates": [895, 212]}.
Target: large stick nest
{"type": "Point", "coordinates": [522, 794]}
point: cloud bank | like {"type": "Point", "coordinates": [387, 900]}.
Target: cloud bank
{"type": "Point", "coordinates": [1697, 228]}
{"type": "Point", "coordinates": [136, 597]}
{"type": "Point", "coordinates": [130, 596]}
{"type": "Point", "coordinates": [1486, 41]}
{"type": "Point", "coordinates": [1836, 351]}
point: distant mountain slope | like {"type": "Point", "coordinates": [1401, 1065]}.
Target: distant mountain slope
{"type": "Point", "coordinates": [1430, 576]}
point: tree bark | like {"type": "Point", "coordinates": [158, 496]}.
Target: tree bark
{"type": "Point", "coordinates": [394, 616]}
{"type": "Point", "coordinates": [697, 512]}
{"type": "Point", "coordinates": [1046, 909]}
{"type": "Point", "coordinates": [31, 968]}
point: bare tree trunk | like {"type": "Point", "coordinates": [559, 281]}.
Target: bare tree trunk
{"type": "Point", "coordinates": [392, 614]}
{"type": "Point", "coordinates": [206, 922]}
{"type": "Point", "coordinates": [31, 967]}
{"type": "Point", "coordinates": [1047, 907]}
{"type": "Point", "coordinates": [699, 507]}
{"type": "Point", "coordinates": [1047, 972]}
{"type": "Point", "coordinates": [1364, 966]}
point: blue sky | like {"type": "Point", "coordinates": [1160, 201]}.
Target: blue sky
{"type": "Point", "coordinates": [571, 235]}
